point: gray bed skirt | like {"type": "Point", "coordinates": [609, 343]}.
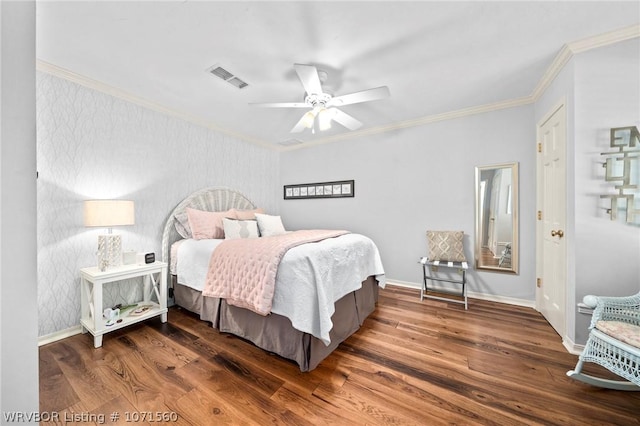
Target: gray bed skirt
{"type": "Point", "coordinates": [274, 333]}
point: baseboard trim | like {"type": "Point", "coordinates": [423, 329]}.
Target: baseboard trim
{"type": "Point", "coordinates": [59, 335]}
{"type": "Point", "coordinates": [472, 295]}
{"type": "Point", "coordinates": [62, 334]}
{"type": "Point", "coordinates": [572, 347]}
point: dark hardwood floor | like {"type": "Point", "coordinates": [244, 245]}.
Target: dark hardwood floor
{"type": "Point", "coordinates": [413, 362]}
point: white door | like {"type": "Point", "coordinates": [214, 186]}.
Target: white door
{"type": "Point", "coordinates": [551, 224]}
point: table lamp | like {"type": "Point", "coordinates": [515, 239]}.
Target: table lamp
{"type": "Point", "coordinates": [107, 214]}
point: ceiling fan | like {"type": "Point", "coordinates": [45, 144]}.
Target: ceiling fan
{"type": "Point", "coordinates": [323, 105]}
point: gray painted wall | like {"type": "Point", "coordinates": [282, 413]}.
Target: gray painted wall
{"type": "Point", "coordinates": [421, 178]}
{"type": "Point", "coordinates": [607, 94]}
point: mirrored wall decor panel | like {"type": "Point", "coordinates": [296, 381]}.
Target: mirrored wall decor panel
{"type": "Point", "coordinates": [496, 242]}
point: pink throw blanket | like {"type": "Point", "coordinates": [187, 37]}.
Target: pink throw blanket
{"type": "Point", "coordinates": [243, 271]}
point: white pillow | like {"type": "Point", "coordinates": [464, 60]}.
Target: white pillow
{"type": "Point", "coordinates": [239, 228]}
{"type": "Point", "coordinates": [269, 225]}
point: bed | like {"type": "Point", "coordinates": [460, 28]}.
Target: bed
{"type": "Point", "coordinates": [320, 325]}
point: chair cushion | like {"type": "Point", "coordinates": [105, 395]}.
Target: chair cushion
{"type": "Point", "coordinates": [625, 332]}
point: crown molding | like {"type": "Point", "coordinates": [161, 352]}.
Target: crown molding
{"type": "Point", "coordinates": [565, 54]}
{"type": "Point", "coordinates": [99, 86]}
{"type": "Point", "coordinates": [480, 109]}
{"type": "Point", "coordinates": [558, 63]}
{"type": "Point", "coordinates": [605, 39]}
{"type": "Point", "coordinates": [569, 50]}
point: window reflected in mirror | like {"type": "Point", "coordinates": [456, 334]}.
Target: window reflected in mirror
{"type": "Point", "coordinates": [496, 239]}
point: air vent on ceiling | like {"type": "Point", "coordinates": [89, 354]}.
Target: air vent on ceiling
{"type": "Point", "coordinates": [218, 71]}
{"type": "Point", "coordinates": [237, 82]}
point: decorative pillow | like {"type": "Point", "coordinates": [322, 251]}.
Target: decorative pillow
{"type": "Point", "coordinates": [269, 225]}
{"type": "Point", "coordinates": [240, 228]}
{"type": "Point", "coordinates": [206, 225]}
{"type": "Point", "coordinates": [245, 214]}
{"type": "Point", "coordinates": [446, 245]}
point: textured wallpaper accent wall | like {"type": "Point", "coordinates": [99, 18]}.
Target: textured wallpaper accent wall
{"type": "Point", "coordinates": [92, 145]}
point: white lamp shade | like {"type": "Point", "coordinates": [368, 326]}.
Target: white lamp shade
{"type": "Point", "coordinates": [108, 213]}
{"type": "Point", "coordinates": [324, 118]}
{"type": "Point", "coordinates": [308, 119]}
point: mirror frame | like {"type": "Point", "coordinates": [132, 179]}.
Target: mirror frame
{"type": "Point", "coordinates": [515, 248]}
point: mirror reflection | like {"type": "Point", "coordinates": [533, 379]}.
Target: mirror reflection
{"type": "Point", "coordinates": [497, 217]}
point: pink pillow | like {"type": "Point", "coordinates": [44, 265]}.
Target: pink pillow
{"type": "Point", "coordinates": [246, 214]}
{"type": "Point", "coordinates": [207, 225]}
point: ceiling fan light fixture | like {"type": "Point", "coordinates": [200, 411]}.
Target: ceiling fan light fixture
{"type": "Point", "coordinates": [322, 104]}
{"type": "Point", "coordinates": [324, 118]}
{"type": "Point", "coordinates": [324, 125]}
{"type": "Point", "coordinates": [308, 118]}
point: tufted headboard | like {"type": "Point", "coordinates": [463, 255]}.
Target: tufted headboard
{"type": "Point", "coordinates": [215, 199]}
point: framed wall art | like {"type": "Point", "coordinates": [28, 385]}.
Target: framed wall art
{"type": "Point", "coordinates": [336, 189]}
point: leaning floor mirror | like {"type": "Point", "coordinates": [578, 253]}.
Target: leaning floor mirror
{"type": "Point", "coordinates": [496, 242]}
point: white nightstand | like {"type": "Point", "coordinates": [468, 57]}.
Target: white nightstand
{"type": "Point", "coordinates": [92, 279]}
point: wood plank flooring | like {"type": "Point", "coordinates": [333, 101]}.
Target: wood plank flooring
{"type": "Point", "coordinates": [412, 362]}
{"type": "Point", "coordinates": [488, 259]}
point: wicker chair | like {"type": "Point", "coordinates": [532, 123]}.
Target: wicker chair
{"type": "Point", "coordinates": [614, 342]}
{"type": "Point", "coordinates": [505, 257]}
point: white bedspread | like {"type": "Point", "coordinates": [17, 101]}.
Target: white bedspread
{"type": "Point", "coordinates": [193, 261]}
{"type": "Point", "coordinates": [339, 264]}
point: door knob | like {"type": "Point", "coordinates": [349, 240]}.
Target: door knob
{"type": "Point", "coordinates": [559, 233]}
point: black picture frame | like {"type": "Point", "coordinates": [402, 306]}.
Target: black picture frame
{"type": "Point", "coordinates": [332, 189]}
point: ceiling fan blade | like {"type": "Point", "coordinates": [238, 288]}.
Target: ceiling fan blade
{"type": "Point", "coordinates": [308, 75]}
{"type": "Point", "coordinates": [363, 96]}
{"type": "Point", "coordinates": [345, 119]}
{"type": "Point", "coordinates": [281, 104]}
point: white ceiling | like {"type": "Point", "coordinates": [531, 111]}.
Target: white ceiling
{"type": "Point", "coordinates": [435, 57]}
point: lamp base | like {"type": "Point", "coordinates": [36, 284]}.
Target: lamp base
{"type": "Point", "coordinates": [109, 251]}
